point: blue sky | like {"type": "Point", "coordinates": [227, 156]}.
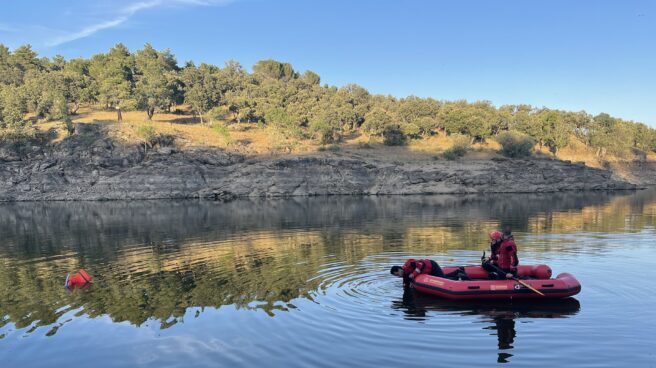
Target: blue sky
{"type": "Point", "coordinates": [598, 56]}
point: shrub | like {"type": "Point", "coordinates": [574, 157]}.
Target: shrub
{"type": "Point", "coordinates": [426, 124]}
{"type": "Point", "coordinates": [460, 148]}
{"type": "Point", "coordinates": [218, 114]}
{"type": "Point", "coordinates": [393, 135]}
{"type": "Point", "coordinates": [283, 122]}
{"type": "Point", "coordinates": [221, 130]}
{"type": "Point", "coordinates": [324, 132]}
{"type": "Point", "coordinates": [516, 144]}
{"type": "Point", "coordinates": [19, 138]}
{"type": "Point", "coordinates": [411, 130]}
{"type": "Point", "coordinates": [165, 140]}
{"type": "Point", "coordinates": [70, 127]}
{"type": "Point", "coordinates": [331, 148]}
{"type": "Point", "coordinates": [376, 121]}
{"type": "Point", "coordinates": [58, 110]}
{"type": "Point", "coordinates": [147, 133]}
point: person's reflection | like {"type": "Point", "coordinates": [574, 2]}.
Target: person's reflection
{"type": "Point", "coordinates": [409, 306]}
{"type": "Point", "coordinates": [501, 314]}
{"type": "Point", "coordinates": [504, 325]}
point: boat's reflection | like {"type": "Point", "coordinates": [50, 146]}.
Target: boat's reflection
{"type": "Point", "coordinates": [498, 315]}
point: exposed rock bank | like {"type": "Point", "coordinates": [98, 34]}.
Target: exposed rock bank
{"type": "Point", "coordinates": [90, 166]}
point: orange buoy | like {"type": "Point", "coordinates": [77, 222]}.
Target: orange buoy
{"type": "Point", "coordinates": [78, 280]}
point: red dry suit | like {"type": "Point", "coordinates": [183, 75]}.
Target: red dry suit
{"type": "Point", "coordinates": [505, 255]}
{"type": "Point", "coordinates": [414, 267]}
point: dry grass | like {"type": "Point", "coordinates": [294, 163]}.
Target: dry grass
{"type": "Point", "coordinates": [253, 139]}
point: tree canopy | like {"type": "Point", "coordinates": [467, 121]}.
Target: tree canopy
{"type": "Point", "coordinates": [276, 94]}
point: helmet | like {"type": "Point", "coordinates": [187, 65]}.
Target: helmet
{"type": "Point", "coordinates": [496, 235]}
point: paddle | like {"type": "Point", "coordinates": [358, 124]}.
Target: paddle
{"type": "Point", "coordinates": [514, 278]}
{"type": "Point", "coordinates": [528, 286]}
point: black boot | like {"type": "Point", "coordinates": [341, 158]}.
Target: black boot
{"type": "Point", "coordinates": [463, 276]}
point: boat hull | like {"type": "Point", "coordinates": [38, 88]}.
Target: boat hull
{"type": "Point", "coordinates": [562, 286]}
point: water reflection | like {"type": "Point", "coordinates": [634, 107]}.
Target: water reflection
{"type": "Point", "coordinates": [498, 316]}
{"type": "Point", "coordinates": [154, 259]}
{"type": "Point", "coordinates": [303, 260]}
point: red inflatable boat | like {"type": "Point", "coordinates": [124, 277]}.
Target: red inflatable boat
{"type": "Point", "coordinates": [480, 287]}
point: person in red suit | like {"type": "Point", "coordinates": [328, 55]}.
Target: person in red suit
{"type": "Point", "coordinates": [415, 267]}
{"type": "Point", "coordinates": [504, 261]}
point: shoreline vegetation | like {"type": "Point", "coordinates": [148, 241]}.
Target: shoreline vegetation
{"type": "Point", "coordinates": [137, 125]}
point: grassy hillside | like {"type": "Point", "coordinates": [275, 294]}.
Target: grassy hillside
{"type": "Point", "coordinates": [259, 139]}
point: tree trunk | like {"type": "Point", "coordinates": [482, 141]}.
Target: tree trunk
{"type": "Point", "coordinates": [150, 111]}
{"type": "Point", "coordinates": [76, 106]}
{"type": "Point", "coordinates": [200, 114]}
{"type": "Point", "coordinates": [119, 116]}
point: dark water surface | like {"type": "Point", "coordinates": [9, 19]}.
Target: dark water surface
{"type": "Point", "coordinates": [305, 282]}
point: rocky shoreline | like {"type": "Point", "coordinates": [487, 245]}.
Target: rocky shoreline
{"type": "Point", "coordinates": [93, 167]}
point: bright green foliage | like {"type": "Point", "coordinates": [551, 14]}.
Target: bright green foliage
{"type": "Point", "coordinates": [48, 94]}
{"type": "Point", "coordinates": [311, 77]}
{"type": "Point", "coordinates": [114, 73]}
{"type": "Point", "coordinates": [13, 106]}
{"type": "Point", "coordinates": [25, 59]}
{"type": "Point", "coordinates": [376, 121]}
{"type": "Point", "coordinates": [326, 126]}
{"type": "Point", "coordinates": [221, 130]}
{"type": "Point", "coordinates": [523, 120]}
{"type": "Point", "coordinates": [218, 114]}
{"type": "Point", "coordinates": [147, 134]}
{"type": "Point", "coordinates": [411, 130]}
{"type": "Point", "coordinates": [420, 112]}
{"type": "Point", "coordinates": [283, 122]}
{"type": "Point", "coordinates": [10, 72]}
{"type": "Point", "coordinates": [274, 69]}
{"type": "Point", "coordinates": [201, 88]}
{"type": "Point", "coordinates": [427, 124]}
{"type": "Point", "coordinates": [642, 136]}
{"type": "Point", "coordinates": [515, 144]}
{"type": "Point", "coordinates": [612, 135]}
{"type": "Point", "coordinates": [324, 131]}
{"type": "Point", "coordinates": [474, 120]}
{"type": "Point", "coordinates": [154, 80]}
{"type": "Point", "coordinates": [555, 130]}
{"type": "Point", "coordinates": [80, 87]}
{"type": "Point", "coordinates": [291, 103]}
{"type": "Point", "coordinates": [242, 106]}
{"type": "Point", "coordinates": [353, 101]}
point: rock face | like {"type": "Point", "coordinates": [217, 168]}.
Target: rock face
{"type": "Point", "coordinates": [92, 167]}
{"type": "Point", "coordinates": [637, 172]}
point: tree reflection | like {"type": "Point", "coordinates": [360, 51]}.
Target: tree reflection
{"type": "Point", "coordinates": [152, 260]}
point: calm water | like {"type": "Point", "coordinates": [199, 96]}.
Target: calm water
{"type": "Point", "coordinates": [305, 282]}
